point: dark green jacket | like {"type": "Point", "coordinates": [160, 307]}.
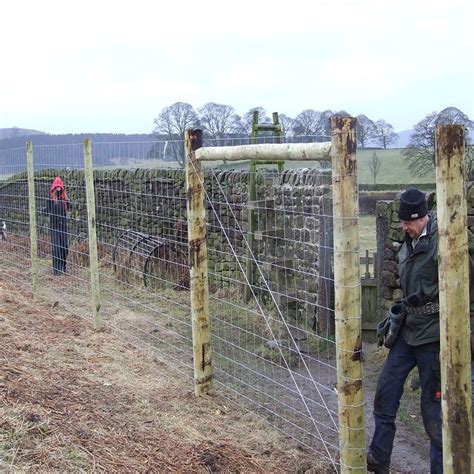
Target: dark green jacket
{"type": "Point", "coordinates": [418, 269]}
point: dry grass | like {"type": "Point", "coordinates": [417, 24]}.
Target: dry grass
{"type": "Point", "coordinates": [75, 400]}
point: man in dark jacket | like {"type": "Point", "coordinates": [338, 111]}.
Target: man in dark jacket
{"type": "Point", "coordinates": [56, 206]}
{"type": "Point", "coordinates": [418, 341]}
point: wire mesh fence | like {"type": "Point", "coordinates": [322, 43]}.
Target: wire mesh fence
{"type": "Point", "coordinates": [275, 350]}
{"type": "Point", "coordinates": [271, 289]}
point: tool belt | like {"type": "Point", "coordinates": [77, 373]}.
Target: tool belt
{"type": "Point", "coordinates": [427, 309]}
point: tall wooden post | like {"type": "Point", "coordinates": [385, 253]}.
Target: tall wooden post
{"type": "Point", "coordinates": [93, 254]}
{"type": "Point", "coordinates": [32, 210]}
{"type": "Point", "coordinates": [454, 299]}
{"type": "Point", "coordinates": [201, 323]}
{"type": "Point", "coordinates": [347, 295]}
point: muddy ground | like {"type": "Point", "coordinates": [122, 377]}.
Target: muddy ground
{"type": "Point", "coordinates": [76, 400]}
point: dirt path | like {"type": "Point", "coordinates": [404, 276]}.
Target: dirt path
{"type": "Point", "coordinates": [75, 400]}
{"type": "Point", "coordinates": [411, 446]}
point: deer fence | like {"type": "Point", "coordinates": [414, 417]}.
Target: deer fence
{"type": "Point", "coordinates": [245, 280]}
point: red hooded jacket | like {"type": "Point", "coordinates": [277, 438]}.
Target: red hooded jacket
{"type": "Point", "coordinates": [58, 183]}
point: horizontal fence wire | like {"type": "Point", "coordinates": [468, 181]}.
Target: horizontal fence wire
{"type": "Point", "coordinates": [271, 292]}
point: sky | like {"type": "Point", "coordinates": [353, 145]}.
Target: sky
{"type": "Point", "coordinates": [111, 66]}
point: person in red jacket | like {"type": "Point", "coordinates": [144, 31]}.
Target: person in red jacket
{"type": "Point", "coordinates": [57, 206]}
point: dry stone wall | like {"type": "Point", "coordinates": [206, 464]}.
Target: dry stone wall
{"type": "Point", "coordinates": [293, 223]}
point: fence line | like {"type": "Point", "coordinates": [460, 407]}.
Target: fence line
{"type": "Point", "coordinates": [141, 225]}
{"type": "Point", "coordinates": [350, 442]}
{"type": "Point", "coordinates": [275, 354]}
{"type": "Point", "coordinates": [282, 368]}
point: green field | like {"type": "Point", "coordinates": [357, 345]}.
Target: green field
{"type": "Point", "coordinates": [367, 236]}
{"type": "Point", "coordinates": [393, 169]}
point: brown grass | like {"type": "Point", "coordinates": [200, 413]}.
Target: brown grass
{"type": "Point", "coordinates": [75, 400]}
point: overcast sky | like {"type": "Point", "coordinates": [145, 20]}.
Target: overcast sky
{"type": "Point", "coordinates": [112, 66]}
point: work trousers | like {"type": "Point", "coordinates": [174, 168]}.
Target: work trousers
{"type": "Point", "coordinates": [401, 359]}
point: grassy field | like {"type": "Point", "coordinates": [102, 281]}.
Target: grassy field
{"type": "Point", "coordinates": [393, 169]}
{"type": "Point", "coordinates": [367, 237]}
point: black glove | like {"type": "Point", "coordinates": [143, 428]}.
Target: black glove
{"type": "Point", "coordinates": [397, 317]}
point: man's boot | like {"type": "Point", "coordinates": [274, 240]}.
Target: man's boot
{"type": "Point", "coordinates": [375, 466]}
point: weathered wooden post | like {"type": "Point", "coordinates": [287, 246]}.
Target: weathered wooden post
{"type": "Point", "coordinates": [93, 254]}
{"type": "Point", "coordinates": [454, 298]}
{"type": "Point", "coordinates": [32, 210]}
{"type": "Point", "coordinates": [347, 295]}
{"type": "Point", "coordinates": [201, 323]}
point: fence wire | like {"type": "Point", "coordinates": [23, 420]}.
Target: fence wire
{"type": "Point", "coordinates": [271, 293]}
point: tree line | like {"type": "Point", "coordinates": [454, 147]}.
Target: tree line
{"type": "Point", "coordinates": [219, 121]}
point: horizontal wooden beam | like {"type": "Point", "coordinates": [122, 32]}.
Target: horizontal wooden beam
{"type": "Point", "coordinates": [267, 152]}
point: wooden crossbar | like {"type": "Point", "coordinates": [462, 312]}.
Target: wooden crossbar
{"type": "Point", "coordinates": [265, 152]}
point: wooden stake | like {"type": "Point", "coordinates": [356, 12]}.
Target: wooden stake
{"type": "Point", "coordinates": [32, 211]}
{"type": "Point", "coordinates": [454, 299]}
{"type": "Point", "coordinates": [93, 254]}
{"type": "Point", "coordinates": [201, 323]}
{"type": "Point", "coordinates": [347, 295]}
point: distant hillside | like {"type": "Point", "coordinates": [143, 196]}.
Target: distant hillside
{"type": "Point", "coordinates": [14, 132]}
{"type": "Point", "coordinates": [58, 150]}
{"type": "Point", "coordinates": [40, 138]}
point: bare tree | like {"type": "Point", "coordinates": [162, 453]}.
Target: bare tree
{"type": "Point", "coordinates": [244, 125]}
{"type": "Point", "coordinates": [218, 119]}
{"type": "Point", "coordinates": [286, 124]}
{"type": "Point", "coordinates": [420, 151]}
{"type": "Point", "coordinates": [326, 118]}
{"type": "Point", "coordinates": [374, 166]}
{"type": "Point", "coordinates": [384, 134]}
{"type": "Point", "coordinates": [365, 129]}
{"type": "Point", "coordinates": [172, 122]}
{"type": "Point", "coordinates": [310, 122]}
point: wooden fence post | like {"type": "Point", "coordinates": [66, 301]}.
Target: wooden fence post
{"type": "Point", "coordinates": [454, 298]}
{"type": "Point", "coordinates": [32, 211]}
{"type": "Point", "coordinates": [201, 323]}
{"type": "Point", "coordinates": [347, 296]}
{"type": "Point", "coordinates": [93, 254]}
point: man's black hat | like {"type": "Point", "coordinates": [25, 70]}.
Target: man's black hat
{"type": "Point", "coordinates": [412, 205]}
